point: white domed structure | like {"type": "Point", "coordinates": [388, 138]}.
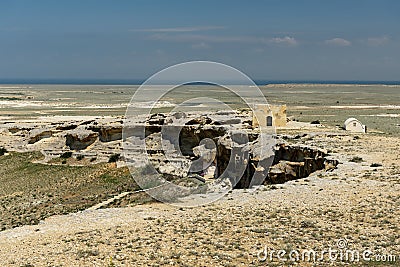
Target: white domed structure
{"type": "Point", "coordinates": [354, 125]}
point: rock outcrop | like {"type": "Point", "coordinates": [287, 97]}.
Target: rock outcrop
{"type": "Point", "coordinates": [80, 140]}
{"type": "Point", "coordinates": [202, 146]}
{"type": "Point", "coordinates": [294, 162]}
{"type": "Point", "coordinates": [108, 133]}
{"type": "Point", "coordinates": [207, 146]}
{"type": "Point", "coordinates": [37, 135]}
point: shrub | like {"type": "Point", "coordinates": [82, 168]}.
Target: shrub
{"type": "Point", "coordinates": [66, 155]}
{"type": "Point", "coordinates": [114, 158]}
{"type": "Point", "coordinates": [356, 159]}
{"type": "Point", "coordinates": [80, 157]}
{"type": "Point", "coordinates": [376, 165]}
{"type": "Point", "coordinates": [109, 179]}
{"type": "Point", "coordinates": [3, 151]}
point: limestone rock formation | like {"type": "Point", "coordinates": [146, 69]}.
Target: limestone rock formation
{"type": "Point", "coordinates": [108, 133]}
{"type": "Point", "coordinates": [37, 135]}
{"type": "Point", "coordinates": [211, 145]}
{"type": "Point", "coordinates": [79, 140]}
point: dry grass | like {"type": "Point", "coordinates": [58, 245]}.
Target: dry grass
{"type": "Point", "coordinates": [31, 192]}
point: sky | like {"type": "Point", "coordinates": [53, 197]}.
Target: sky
{"type": "Point", "coordinates": [268, 40]}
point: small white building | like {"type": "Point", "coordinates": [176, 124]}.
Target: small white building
{"type": "Point", "coordinates": [354, 125]}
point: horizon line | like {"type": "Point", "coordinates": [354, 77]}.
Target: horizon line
{"type": "Point", "coordinates": [94, 81]}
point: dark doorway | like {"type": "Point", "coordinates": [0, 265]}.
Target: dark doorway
{"type": "Point", "coordinates": [269, 120]}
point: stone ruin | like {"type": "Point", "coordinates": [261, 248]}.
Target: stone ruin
{"type": "Point", "coordinates": [201, 145]}
{"type": "Point", "coordinates": [219, 145]}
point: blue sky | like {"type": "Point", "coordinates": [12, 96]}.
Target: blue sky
{"type": "Point", "coordinates": [271, 40]}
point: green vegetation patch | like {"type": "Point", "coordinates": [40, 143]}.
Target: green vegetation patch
{"type": "Point", "coordinates": [30, 191]}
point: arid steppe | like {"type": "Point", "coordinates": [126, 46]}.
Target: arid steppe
{"type": "Point", "coordinates": [47, 219]}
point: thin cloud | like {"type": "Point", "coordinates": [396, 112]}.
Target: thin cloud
{"type": "Point", "coordinates": [285, 40]}
{"type": "Point", "coordinates": [198, 37]}
{"type": "Point", "coordinates": [180, 29]}
{"type": "Point", "coordinates": [378, 41]}
{"type": "Point", "coordinates": [202, 38]}
{"type": "Point", "coordinates": [338, 42]}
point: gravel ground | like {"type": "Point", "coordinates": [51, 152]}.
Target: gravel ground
{"type": "Point", "coordinates": [356, 205]}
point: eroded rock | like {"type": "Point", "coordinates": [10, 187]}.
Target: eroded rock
{"type": "Point", "coordinates": [37, 135]}
{"type": "Point", "coordinates": [211, 145]}
{"type": "Point", "coordinates": [80, 140]}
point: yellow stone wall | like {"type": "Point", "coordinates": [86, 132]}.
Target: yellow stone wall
{"type": "Point", "coordinates": [261, 112]}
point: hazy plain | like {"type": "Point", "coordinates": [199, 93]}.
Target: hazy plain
{"type": "Point", "coordinates": [377, 106]}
